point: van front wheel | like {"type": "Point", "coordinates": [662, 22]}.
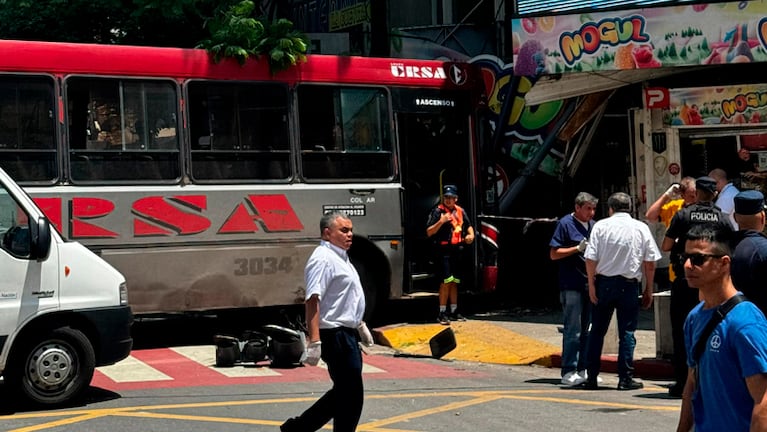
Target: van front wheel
{"type": "Point", "coordinates": [53, 369]}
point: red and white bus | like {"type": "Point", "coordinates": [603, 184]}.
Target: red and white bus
{"type": "Point", "coordinates": [204, 183]}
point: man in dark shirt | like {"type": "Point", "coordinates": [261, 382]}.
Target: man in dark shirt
{"type": "Point", "coordinates": [567, 245]}
{"type": "Point", "coordinates": [749, 259]}
{"type": "Point", "coordinates": [683, 298]}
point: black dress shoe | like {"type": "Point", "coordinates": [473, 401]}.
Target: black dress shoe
{"type": "Point", "coordinates": [289, 425]}
{"type": "Point", "coordinates": [587, 385]}
{"type": "Point", "coordinates": [629, 384]}
{"type": "Point", "coordinates": [675, 391]}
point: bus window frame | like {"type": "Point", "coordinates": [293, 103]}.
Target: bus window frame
{"type": "Point", "coordinates": [67, 151]}
{"type": "Point", "coordinates": [300, 151]}
{"type": "Point", "coordinates": [56, 150]}
{"type": "Point", "coordinates": [289, 126]}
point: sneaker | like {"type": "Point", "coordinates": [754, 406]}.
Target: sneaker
{"type": "Point", "coordinates": [629, 384]}
{"type": "Point", "coordinates": [456, 316]}
{"type": "Point", "coordinates": [585, 375]}
{"type": "Point", "coordinates": [572, 379]}
{"type": "Point", "coordinates": [443, 319]}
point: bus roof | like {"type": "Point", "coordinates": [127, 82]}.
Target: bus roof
{"type": "Point", "coordinates": [184, 63]}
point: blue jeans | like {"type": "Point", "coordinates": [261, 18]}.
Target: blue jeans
{"type": "Point", "coordinates": [622, 296]}
{"type": "Point", "coordinates": [576, 314]}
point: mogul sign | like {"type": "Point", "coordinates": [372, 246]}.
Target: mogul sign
{"type": "Point", "coordinates": [703, 106]}
{"type": "Point", "coordinates": [733, 32]}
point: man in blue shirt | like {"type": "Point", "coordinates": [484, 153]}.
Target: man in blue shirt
{"type": "Point", "coordinates": [567, 246]}
{"type": "Point", "coordinates": [725, 389]}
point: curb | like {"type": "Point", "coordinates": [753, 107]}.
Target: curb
{"type": "Point", "coordinates": [529, 351]}
{"type": "Point", "coordinates": [645, 368]}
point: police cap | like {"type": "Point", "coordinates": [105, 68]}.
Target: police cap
{"type": "Point", "coordinates": [450, 190]}
{"type": "Point", "coordinates": [705, 183]}
{"type": "Point", "coordinates": [749, 202]}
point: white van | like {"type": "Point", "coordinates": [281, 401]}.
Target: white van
{"type": "Point", "coordinates": [63, 310]}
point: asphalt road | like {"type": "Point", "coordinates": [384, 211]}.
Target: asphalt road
{"type": "Point", "coordinates": [470, 397]}
{"type": "Point", "coordinates": [402, 394]}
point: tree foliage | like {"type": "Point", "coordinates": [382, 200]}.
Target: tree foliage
{"type": "Point", "coordinates": [227, 28]}
{"type": "Point", "coordinates": [236, 32]}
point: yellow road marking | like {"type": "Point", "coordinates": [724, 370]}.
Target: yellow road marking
{"type": "Point", "coordinates": [475, 398]}
{"type": "Point", "coordinates": [428, 411]}
{"type": "Point", "coordinates": [62, 422]}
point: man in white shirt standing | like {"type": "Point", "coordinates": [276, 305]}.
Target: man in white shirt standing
{"type": "Point", "coordinates": [335, 304]}
{"type": "Point", "coordinates": [725, 198]}
{"type": "Point", "coordinates": [620, 250]}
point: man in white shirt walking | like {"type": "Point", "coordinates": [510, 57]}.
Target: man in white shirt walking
{"type": "Point", "coordinates": [621, 249]}
{"type": "Point", "coordinates": [335, 304]}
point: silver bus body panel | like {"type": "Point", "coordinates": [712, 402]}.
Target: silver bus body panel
{"type": "Point", "coordinates": [203, 247]}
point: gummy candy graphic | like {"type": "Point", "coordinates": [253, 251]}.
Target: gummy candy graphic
{"type": "Point", "coordinates": [531, 60]}
{"type": "Point", "coordinates": [643, 57]}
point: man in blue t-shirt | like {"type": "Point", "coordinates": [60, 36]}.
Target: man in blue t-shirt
{"type": "Point", "coordinates": [567, 246]}
{"type": "Point", "coordinates": [725, 389]}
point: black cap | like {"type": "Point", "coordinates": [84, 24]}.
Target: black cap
{"type": "Point", "coordinates": [450, 190]}
{"type": "Point", "coordinates": [705, 183]}
{"type": "Point", "coordinates": [749, 202]}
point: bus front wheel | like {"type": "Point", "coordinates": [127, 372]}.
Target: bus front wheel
{"type": "Point", "coordinates": [54, 368]}
{"type": "Point", "coordinates": [371, 287]}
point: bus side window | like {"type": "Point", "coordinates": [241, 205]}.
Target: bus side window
{"type": "Point", "coordinates": [239, 132]}
{"type": "Point", "coordinates": [123, 130]}
{"type": "Point", "coordinates": [345, 133]}
{"type": "Point", "coordinates": [27, 128]}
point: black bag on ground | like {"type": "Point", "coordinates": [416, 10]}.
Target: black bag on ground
{"type": "Point", "coordinates": [227, 350]}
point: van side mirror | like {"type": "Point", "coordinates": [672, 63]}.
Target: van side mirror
{"type": "Point", "coordinates": [40, 245]}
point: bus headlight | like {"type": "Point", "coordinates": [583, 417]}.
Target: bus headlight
{"type": "Point", "coordinates": [123, 293]}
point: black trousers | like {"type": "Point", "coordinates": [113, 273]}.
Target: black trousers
{"type": "Point", "coordinates": [683, 299]}
{"type": "Point", "coordinates": [343, 402]}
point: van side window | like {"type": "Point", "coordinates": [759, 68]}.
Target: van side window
{"type": "Point", "coordinates": [345, 133]}
{"type": "Point", "coordinates": [14, 227]}
{"type": "Point", "coordinates": [28, 128]}
{"type": "Point", "coordinates": [123, 130]}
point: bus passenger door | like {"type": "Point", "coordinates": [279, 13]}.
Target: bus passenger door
{"type": "Point", "coordinates": [435, 149]}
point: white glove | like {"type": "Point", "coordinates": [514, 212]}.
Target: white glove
{"type": "Point", "coordinates": [673, 191]}
{"type": "Point", "coordinates": [365, 336]}
{"type": "Point", "coordinates": [313, 353]}
{"type": "Point", "coordinates": [582, 245]}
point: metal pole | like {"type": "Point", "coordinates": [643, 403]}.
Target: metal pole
{"type": "Point", "coordinates": [519, 183]}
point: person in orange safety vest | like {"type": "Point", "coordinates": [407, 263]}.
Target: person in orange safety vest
{"type": "Point", "coordinates": [451, 229]}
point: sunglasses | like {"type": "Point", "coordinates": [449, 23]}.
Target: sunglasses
{"type": "Point", "coordinates": [696, 259]}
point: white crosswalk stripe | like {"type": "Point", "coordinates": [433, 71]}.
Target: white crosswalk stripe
{"type": "Point", "coordinates": [366, 368]}
{"type": "Point", "coordinates": [206, 356]}
{"type": "Point", "coordinates": [133, 370]}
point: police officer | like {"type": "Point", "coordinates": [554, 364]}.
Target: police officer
{"type": "Point", "coordinates": [749, 259]}
{"type": "Point", "coordinates": [683, 299]}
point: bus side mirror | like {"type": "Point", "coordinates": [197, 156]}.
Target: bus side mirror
{"type": "Point", "coordinates": [41, 239]}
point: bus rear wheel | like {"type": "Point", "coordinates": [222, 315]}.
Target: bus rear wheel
{"type": "Point", "coordinates": [54, 368]}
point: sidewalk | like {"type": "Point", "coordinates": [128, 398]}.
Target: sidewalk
{"type": "Point", "coordinates": [522, 337]}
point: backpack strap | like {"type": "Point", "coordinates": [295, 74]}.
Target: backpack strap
{"type": "Point", "coordinates": [718, 316]}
